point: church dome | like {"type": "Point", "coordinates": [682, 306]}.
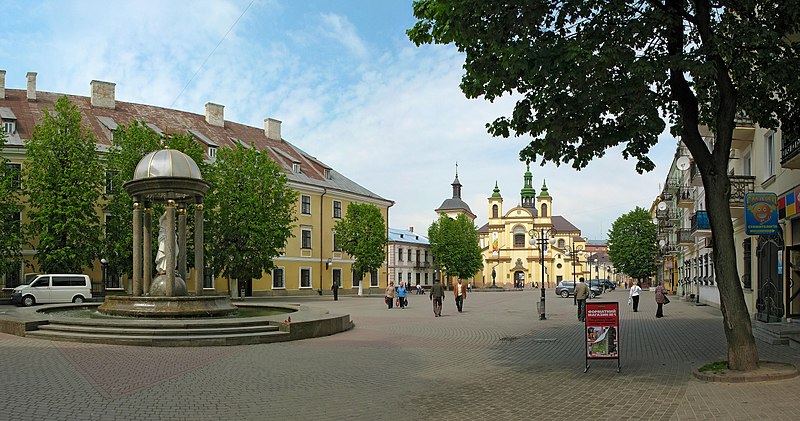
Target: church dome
{"type": "Point", "coordinates": [167, 163]}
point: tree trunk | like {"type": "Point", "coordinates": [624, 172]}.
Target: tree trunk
{"type": "Point", "coordinates": [742, 351]}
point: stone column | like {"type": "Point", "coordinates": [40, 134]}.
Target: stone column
{"type": "Point", "coordinates": [199, 263]}
{"type": "Point", "coordinates": [148, 247]}
{"type": "Point", "coordinates": [170, 249]}
{"type": "Point", "coordinates": [182, 243]}
{"type": "Point", "coordinates": [136, 288]}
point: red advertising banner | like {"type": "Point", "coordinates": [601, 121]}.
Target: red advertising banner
{"type": "Point", "coordinates": [602, 330]}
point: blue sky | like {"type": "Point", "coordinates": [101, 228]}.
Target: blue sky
{"type": "Point", "coordinates": [343, 78]}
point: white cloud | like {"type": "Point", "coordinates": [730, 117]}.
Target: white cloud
{"type": "Point", "coordinates": [341, 30]}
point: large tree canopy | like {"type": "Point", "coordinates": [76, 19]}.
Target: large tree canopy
{"type": "Point", "coordinates": [632, 244]}
{"type": "Point", "coordinates": [455, 246]}
{"type": "Point", "coordinates": [590, 75]}
{"type": "Point", "coordinates": [362, 235]}
{"type": "Point", "coordinates": [63, 182]}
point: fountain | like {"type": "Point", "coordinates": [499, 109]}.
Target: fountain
{"type": "Point", "coordinates": [170, 177]}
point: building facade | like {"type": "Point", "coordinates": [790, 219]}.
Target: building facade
{"type": "Point", "coordinates": [311, 261]}
{"type": "Point", "coordinates": [410, 259]}
{"type": "Point", "coordinates": [510, 258]}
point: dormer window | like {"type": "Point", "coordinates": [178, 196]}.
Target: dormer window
{"type": "Point", "coordinates": [212, 152]}
{"type": "Point", "coordinates": [9, 126]}
{"type": "Point", "coordinates": [9, 120]}
{"type": "Point", "coordinates": [296, 167]}
{"type": "Point", "coordinates": [327, 173]}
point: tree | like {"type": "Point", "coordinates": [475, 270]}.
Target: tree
{"type": "Point", "coordinates": [362, 235]}
{"type": "Point", "coordinates": [592, 75]}
{"type": "Point", "coordinates": [250, 213]}
{"type": "Point", "coordinates": [632, 244]}
{"type": "Point", "coordinates": [62, 182]}
{"type": "Point", "coordinates": [455, 246]}
{"type": "Point", "coordinates": [10, 229]}
{"type": "Point", "coordinates": [130, 144]}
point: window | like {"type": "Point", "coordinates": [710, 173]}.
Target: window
{"type": "Point", "coordinates": [418, 256]}
{"type": "Point", "coordinates": [399, 277]}
{"type": "Point", "coordinates": [15, 170]}
{"type": "Point", "coordinates": [409, 278]}
{"type": "Point", "coordinates": [305, 238]}
{"type": "Point", "coordinates": [495, 211]}
{"type": "Point", "coordinates": [110, 181]}
{"type": "Point", "coordinates": [356, 281]}
{"type": "Point", "coordinates": [212, 152]}
{"type": "Point", "coordinates": [373, 279]}
{"type": "Point", "coordinates": [519, 240]}
{"type": "Point", "coordinates": [278, 281]}
{"type": "Point", "coordinates": [418, 279]}
{"type": "Point", "coordinates": [305, 277]}
{"type": "Point", "coordinates": [544, 210]}
{"type": "Point", "coordinates": [400, 255]}
{"type": "Point", "coordinates": [305, 207]}
{"type": "Point", "coordinates": [336, 246]}
{"type": "Point", "coordinates": [296, 167]}
{"type": "Point", "coordinates": [208, 278]}
{"type": "Point", "coordinates": [426, 278]}
{"type": "Point", "coordinates": [337, 277]}
{"type": "Point", "coordinates": [337, 209]}
{"type": "Point", "coordinates": [426, 256]}
{"type": "Point", "coordinates": [769, 153]}
{"type": "Point", "coordinates": [561, 243]}
{"type": "Point", "coordinates": [9, 126]}
{"type": "Point", "coordinates": [409, 255]}
{"type": "Point", "coordinates": [746, 165]}
{"type": "Point", "coordinates": [12, 278]}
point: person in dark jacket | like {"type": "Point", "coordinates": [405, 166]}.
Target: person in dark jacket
{"type": "Point", "coordinates": [437, 295]}
{"type": "Point", "coordinates": [581, 295]}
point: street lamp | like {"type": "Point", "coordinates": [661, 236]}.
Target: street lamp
{"type": "Point", "coordinates": [575, 253]}
{"type": "Point", "coordinates": [541, 238]}
{"type": "Point", "coordinates": [104, 264]}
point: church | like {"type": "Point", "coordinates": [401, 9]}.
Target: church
{"type": "Point", "coordinates": [512, 241]}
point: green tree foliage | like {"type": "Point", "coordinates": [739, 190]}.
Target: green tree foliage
{"type": "Point", "coordinates": [63, 181]}
{"type": "Point", "coordinates": [632, 244]}
{"type": "Point", "coordinates": [455, 246]}
{"type": "Point", "coordinates": [250, 213]}
{"type": "Point", "coordinates": [362, 235]}
{"type": "Point", "coordinates": [10, 230]}
{"type": "Point", "coordinates": [130, 144]}
{"type": "Point", "coordinates": [590, 75]}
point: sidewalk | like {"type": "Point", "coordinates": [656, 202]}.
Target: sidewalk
{"type": "Point", "coordinates": [494, 361]}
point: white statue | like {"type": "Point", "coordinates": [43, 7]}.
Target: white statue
{"type": "Point", "coordinates": [161, 254]}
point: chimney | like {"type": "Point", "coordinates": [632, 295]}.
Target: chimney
{"type": "Point", "coordinates": [2, 84]}
{"type": "Point", "coordinates": [272, 128]}
{"type": "Point", "coordinates": [411, 229]}
{"type": "Point", "coordinates": [31, 86]}
{"type": "Point", "coordinates": [103, 94]}
{"type": "Point", "coordinates": [215, 114]}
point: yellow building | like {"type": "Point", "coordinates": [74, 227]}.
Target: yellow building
{"type": "Point", "coordinates": [312, 259]}
{"type": "Point", "coordinates": [506, 242]}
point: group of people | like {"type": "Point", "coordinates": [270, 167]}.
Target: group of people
{"type": "Point", "coordinates": [582, 294]}
{"type": "Point", "coordinates": [436, 295]}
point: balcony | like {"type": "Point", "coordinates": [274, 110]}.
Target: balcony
{"type": "Point", "coordinates": [700, 225]}
{"type": "Point", "coordinates": [790, 154]}
{"type": "Point", "coordinates": [686, 198]}
{"type": "Point", "coordinates": [684, 237]}
{"type": "Point", "coordinates": [694, 175]}
{"type": "Point", "coordinates": [740, 186]}
{"type": "Point", "coordinates": [743, 133]}
{"type": "Point", "coordinates": [672, 184]}
{"type": "Point", "coordinates": [666, 196]}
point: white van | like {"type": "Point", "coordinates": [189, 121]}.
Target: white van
{"type": "Point", "coordinates": [53, 288]}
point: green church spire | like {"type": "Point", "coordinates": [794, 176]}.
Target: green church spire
{"type": "Point", "coordinates": [496, 191]}
{"type": "Point", "coordinates": [544, 192]}
{"type": "Point", "coordinates": [528, 193]}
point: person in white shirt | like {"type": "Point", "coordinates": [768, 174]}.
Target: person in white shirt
{"type": "Point", "coordinates": [460, 291]}
{"type": "Point", "coordinates": [635, 292]}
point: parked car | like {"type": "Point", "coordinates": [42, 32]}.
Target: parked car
{"type": "Point", "coordinates": [602, 284]}
{"type": "Point", "coordinates": [567, 288]}
{"type": "Point", "coordinates": [54, 288]}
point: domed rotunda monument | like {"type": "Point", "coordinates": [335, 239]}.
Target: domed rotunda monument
{"type": "Point", "coordinates": [172, 178]}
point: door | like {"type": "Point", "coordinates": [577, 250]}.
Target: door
{"type": "Point", "coordinates": [792, 269]}
{"type": "Point", "coordinates": [519, 279]}
{"type": "Point", "coordinates": [769, 303]}
{"type": "Point", "coordinates": [41, 289]}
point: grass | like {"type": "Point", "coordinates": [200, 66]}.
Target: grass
{"type": "Point", "coordinates": [715, 367]}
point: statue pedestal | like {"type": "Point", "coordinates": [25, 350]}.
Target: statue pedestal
{"type": "Point", "coordinates": [158, 288]}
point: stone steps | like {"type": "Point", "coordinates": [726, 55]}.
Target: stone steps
{"type": "Point", "coordinates": [161, 333]}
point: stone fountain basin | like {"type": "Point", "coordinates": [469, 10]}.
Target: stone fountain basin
{"type": "Point", "coordinates": [167, 307]}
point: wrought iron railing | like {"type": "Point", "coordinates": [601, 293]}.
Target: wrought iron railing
{"type": "Point", "coordinates": [700, 221]}
{"type": "Point", "coordinates": [740, 186]}
{"type": "Point", "coordinates": [684, 236]}
{"type": "Point", "coordinates": [790, 149]}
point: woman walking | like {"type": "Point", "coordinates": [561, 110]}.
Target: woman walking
{"type": "Point", "coordinates": [635, 292]}
{"type": "Point", "coordinates": [389, 296]}
{"type": "Point", "coordinates": [401, 295]}
{"type": "Point", "coordinates": [661, 299]}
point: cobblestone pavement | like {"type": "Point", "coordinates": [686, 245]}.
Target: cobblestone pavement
{"type": "Point", "coordinates": [495, 361]}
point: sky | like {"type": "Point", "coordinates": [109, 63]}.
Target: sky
{"type": "Point", "coordinates": [342, 76]}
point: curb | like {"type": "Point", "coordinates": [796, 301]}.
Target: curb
{"type": "Point", "coordinates": [767, 371]}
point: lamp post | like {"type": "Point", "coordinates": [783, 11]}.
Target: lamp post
{"type": "Point", "coordinates": [541, 238]}
{"type": "Point", "coordinates": [575, 253]}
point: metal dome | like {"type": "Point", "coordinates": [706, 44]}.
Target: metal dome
{"type": "Point", "coordinates": [167, 163]}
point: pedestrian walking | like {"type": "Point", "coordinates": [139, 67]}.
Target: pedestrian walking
{"type": "Point", "coordinates": [661, 299]}
{"type": "Point", "coordinates": [335, 289]}
{"type": "Point", "coordinates": [389, 296]}
{"type": "Point", "coordinates": [581, 295]}
{"type": "Point", "coordinates": [437, 295]}
{"type": "Point", "coordinates": [460, 291]}
{"type": "Point", "coordinates": [401, 295]}
{"type": "Point", "coordinates": [635, 292]}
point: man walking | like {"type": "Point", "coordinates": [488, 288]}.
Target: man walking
{"type": "Point", "coordinates": [635, 292]}
{"type": "Point", "coordinates": [581, 294]}
{"type": "Point", "coordinates": [460, 291]}
{"type": "Point", "coordinates": [335, 289]}
{"type": "Point", "coordinates": [437, 295]}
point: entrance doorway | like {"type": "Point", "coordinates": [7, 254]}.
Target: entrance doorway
{"type": "Point", "coordinates": [792, 268]}
{"type": "Point", "coordinates": [769, 304]}
{"type": "Point", "coordinates": [519, 279]}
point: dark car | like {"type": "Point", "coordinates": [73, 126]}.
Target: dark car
{"type": "Point", "coordinates": [567, 288]}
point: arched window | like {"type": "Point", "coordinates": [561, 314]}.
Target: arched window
{"type": "Point", "coordinates": [519, 236]}
{"type": "Point", "coordinates": [544, 210]}
{"type": "Point", "coordinates": [495, 210]}
{"type": "Point", "coordinates": [561, 243]}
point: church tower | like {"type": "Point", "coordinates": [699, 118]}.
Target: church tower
{"type": "Point", "coordinates": [454, 206]}
{"type": "Point", "coordinates": [545, 202]}
{"type": "Point", "coordinates": [528, 193]}
{"type": "Point", "coordinates": [495, 205]}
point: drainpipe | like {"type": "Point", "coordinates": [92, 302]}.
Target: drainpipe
{"type": "Point", "coordinates": [321, 249]}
